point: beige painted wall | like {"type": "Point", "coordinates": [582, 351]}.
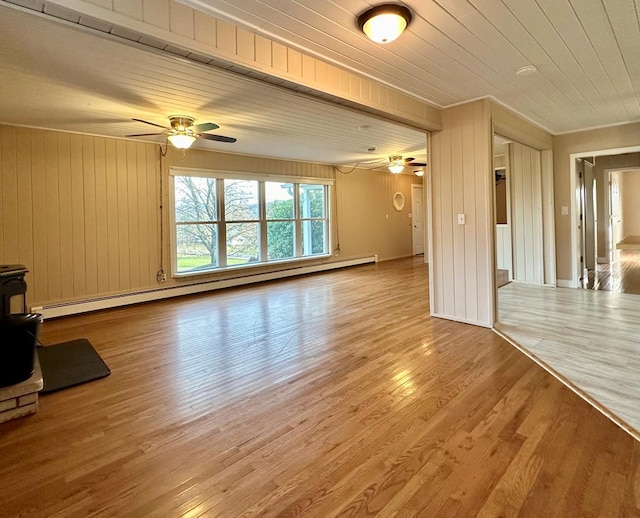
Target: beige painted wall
{"type": "Point", "coordinates": [563, 145]}
{"type": "Point", "coordinates": [630, 203]}
{"type": "Point", "coordinates": [526, 214]}
{"type": "Point", "coordinates": [82, 212]}
{"type": "Point", "coordinates": [462, 182]}
{"type": "Point", "coordinates": [367, 217]}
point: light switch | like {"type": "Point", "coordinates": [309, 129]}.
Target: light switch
{"type": "Point", "coordinates": [461, 219]}
{"type": "Point", "coordinates": [565, 211]}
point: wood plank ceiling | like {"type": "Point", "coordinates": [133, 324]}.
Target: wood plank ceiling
{"type": "Point", "coordinates": [63, 77]}
{"type": "Point", "coordinates": [586, 51]}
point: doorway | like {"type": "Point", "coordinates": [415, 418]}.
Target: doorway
{"type": "Point", "coordinates": [417, 215]}
{"type": "Point", "coordinates": [607, 221]}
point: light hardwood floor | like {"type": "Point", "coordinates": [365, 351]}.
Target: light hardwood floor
{"type": "Point", "coordinates": [330, 395]}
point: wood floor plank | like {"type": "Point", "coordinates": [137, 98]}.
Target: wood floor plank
{"type": "Point", "coordinates": [330, 395]}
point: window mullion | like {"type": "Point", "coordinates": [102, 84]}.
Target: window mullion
{"type": "Point", "coordinates": [222, 227]}
{"type": "Point", "coordinates": [296, 213]}
{"type": "Point", "coordinates": [262, 215]}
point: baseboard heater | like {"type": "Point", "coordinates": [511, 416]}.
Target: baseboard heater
{"type": "Point", "coordinates": [125, 299]}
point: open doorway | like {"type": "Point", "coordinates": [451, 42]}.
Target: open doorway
{"type": "Point", "coordinates": [607, 251]}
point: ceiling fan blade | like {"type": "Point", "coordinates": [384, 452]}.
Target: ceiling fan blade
{"type": "Point", "coordinates": [205, 126]}
{"type": "Point", "coordinates": [218, 138]}
{"type": "Point", "coordinates": [416, 164]}
{"type": "Point", "coordinates": [143, 134]}
{"type": "Point", "coordinates": [151, 123]}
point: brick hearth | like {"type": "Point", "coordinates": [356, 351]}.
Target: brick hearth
{"type": "Point", "coordinates": [21, 399]}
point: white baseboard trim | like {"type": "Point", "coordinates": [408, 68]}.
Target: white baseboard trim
{"type": "Point", "coordinates": [603, 260]}
{"type": "Point", "coordinates": [563, 283]}
{"type": "Point", "coordinates": [84, 306]}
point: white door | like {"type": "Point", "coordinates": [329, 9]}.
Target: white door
{"type": "Point", "coordinates": [417, 209]}
{"type": "Point", "coordinates": [615, 214]}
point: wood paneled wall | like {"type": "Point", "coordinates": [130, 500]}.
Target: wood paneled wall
{"type": "Point", "coordinates": [82, 212]}
{"type": "Point", "coordinates": [526, 213]}
{"type": "Point", "coordinates": [512, 126]}
{"type": "Point", "coordinates": [462, 265]}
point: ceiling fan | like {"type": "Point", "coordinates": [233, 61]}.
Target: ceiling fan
{"type": "Point", "coordinates": [397, 163]}
{"type": "Point", "coordinates": [182, 131]}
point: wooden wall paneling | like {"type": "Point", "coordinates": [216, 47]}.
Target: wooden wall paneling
{"type": "Point", "coordinates": [112, 215]}
{"type": "Point", "coordinates": [65, 244]}
{"type": "Point", "coordinates": [53, 216]}
{"type": "Point", "coordinates": [226, 37]}
{"type": "Point", "coordinates": [538, 223]}
{"type": "Point", "coordinates": [528, 186]}
{"type": "Point", "coordinates": [436, 276]}
{"type": "Point", "coordinates": [526, 210]}
{"type": "Point", "coordinates": [181, 20]}
{"type": "Point", "coordinates": [245, 44]}
{"type": "Point", "coordinates": [470, 169]}
{"type": "Point", "coordinates": [279, 56]}
{"type": "Point", "coordinates": [458, 207]}
{"type": "Point", "coordinates": [37, 291]}
{"type": "Point", "coordinates": [78, 201]}
{"type": "Point", "coordinates": [263, 51]}
{"type": "Point", "coordinates": [204, 29]}
{"type": "Point", "coordinates": [153, 212]}
{"type": "Point", "coordinates": [294, 62]}
{"type": "Point", "coordinates": [133, 216]}
{"type": "Point", "coordinates": [90, 216]}
{"type": "Point", "coordinates": [447, 223]}
{"type": "Point", "coordinates": [516, 212]}
{"type": "Point", "coordinates": [2, 245]}
{"type": "Point", "coordinates": [102, 215]}
{"type": "Point", "coordinates": [156, 12]}
{"type": "Point", "coordinates": [122, 214]}
{"type": "Point", "coordinates": [131, 8]}
{"type": "Point", "coordinates": [9, 195]}
{"type": "Point", "coordinates": [24, 201]}
{"type": "Point", "coordinates": [485, 220]}
{"type": "Point", "coordinates": [142, 189]}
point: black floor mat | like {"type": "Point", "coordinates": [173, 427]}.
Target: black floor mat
{"type": "Point", "coordinates": [70, 363]}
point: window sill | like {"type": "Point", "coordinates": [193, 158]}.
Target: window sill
{"type": "Point", "coordinates": [249, 267]}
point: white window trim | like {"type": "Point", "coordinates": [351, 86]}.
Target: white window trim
{"type": "Point", "coordinates": [235, 175]}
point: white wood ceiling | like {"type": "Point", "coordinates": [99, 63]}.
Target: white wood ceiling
{"type": "Point", "coordinates": [63, 77]}
{"type": "Point", "coordinates": [587, 52]}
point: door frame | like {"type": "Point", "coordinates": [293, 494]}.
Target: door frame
{"type": "Point", "coordinates": [575, 206]}
{"type": "Point", "coordinates": [424, 219]}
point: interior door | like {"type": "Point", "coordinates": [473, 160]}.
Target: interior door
{"type": "Point", "coordinates": [615, 214]}
{"type": "Point", "coordinates": [417, 209]}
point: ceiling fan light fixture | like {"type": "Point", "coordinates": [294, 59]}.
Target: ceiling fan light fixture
{"type": "Point", "coordinates": [396, 164]}
{"type": "Point", "coordinates": [384, 23]}
{"type": "Point", "coordinates": [181, 140]}
{"type": "Point", "coordinates": [419, 172]}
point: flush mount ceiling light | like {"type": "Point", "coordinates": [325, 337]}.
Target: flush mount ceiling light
{"type": "Point", "coordinates": [384, 23]}
{"type": "Point", "coordinates": [396, 164]}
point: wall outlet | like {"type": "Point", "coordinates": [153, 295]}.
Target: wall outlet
{"type": "Point", "coordinates": [161, 276]}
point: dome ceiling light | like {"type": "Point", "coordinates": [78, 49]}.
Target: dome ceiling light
{"type": "Point", "coordinates": [384, 23]}
{"type": "Point", "coordinates": [396, 164]}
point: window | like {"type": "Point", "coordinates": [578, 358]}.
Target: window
{"type": "Point", "coordinates": [234, 220]}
